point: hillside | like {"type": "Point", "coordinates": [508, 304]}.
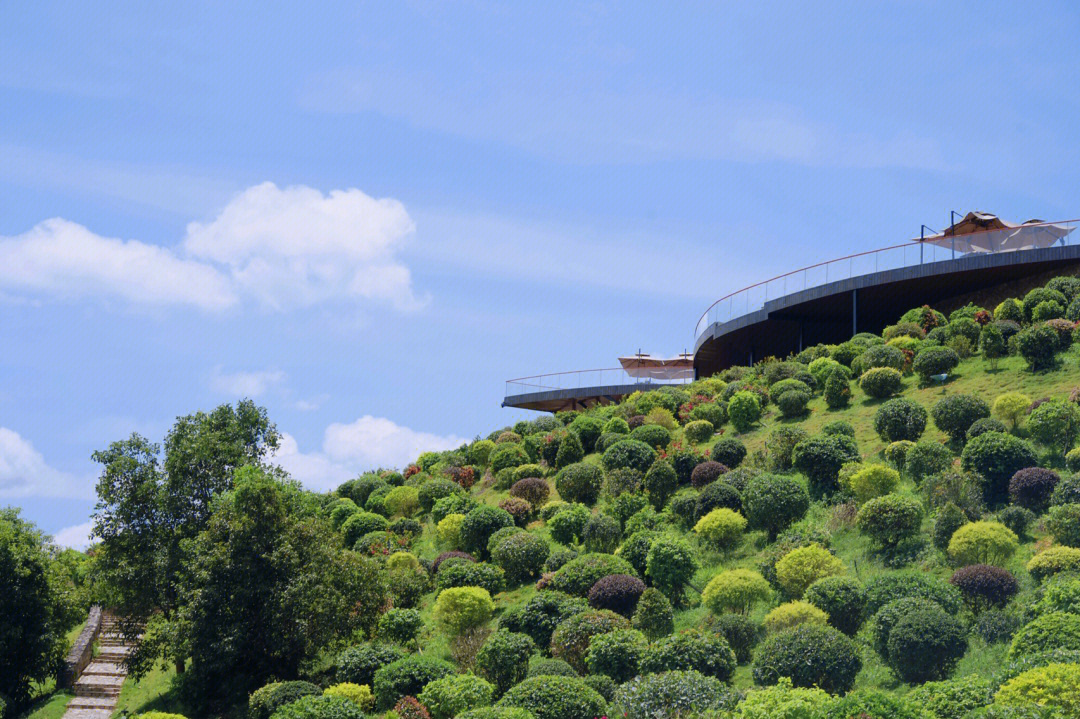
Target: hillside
{"type": "Point", "coordinates": [882, 528]}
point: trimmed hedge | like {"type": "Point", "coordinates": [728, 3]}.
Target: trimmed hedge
{"type": "Point", "coordinates": [555, 697]}
{"type": "Point", "coordinates": [812, 656]}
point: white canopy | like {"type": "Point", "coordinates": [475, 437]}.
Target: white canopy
{"type": "Point", "coordinates": [643, 366]}
{"type": "Point", "coordinates": [984, 232]}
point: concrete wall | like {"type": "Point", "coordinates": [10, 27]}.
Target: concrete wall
{"type": "Point", "coordinates": [82, 651]}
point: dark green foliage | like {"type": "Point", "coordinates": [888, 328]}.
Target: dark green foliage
{"type": "Point", "coordinates": [949, 519]}
{"type": "Point", "coordinates": [554, 697]}
{"type": "Point", "coordinates": [881, 382]}
{"type": "Point", "coordinates": [521, 556]}
{"type": "Point", "coordinates": [774, 502]}
{"type": "Point", "coordinates": [660, 483]}
{"type": "Point", "coordinates": [702, 651]}
{"type": "Point", "coordinates": [740, 632]}
{"type": "Point", "coordinates": [504, 659]}
{"type": "Point", "coordinates": [811, 655]}
{"type": "Point", "coordinates": [672, 694]}
{"type": "Point", "coordinates": [1037, 344]}
{"type": "Point", "coordinates": [469, 574]}
{"type": "Point", "coordinates": [601, 534]}
{"type": "Point", "coordinates": [781, 444]}
{"type": "Point", "coordinates": [616, 654]}
{"type": "Point", "coordinates": [964, 489]}
{"type": "Point", "coordinates": [540, 615]}
{"type": "Point", "coordinates": [588, 429]}
{"type": "Point", "coordinates": [997, 457]}
{"type": "Point", "coordinates": [653, 435]}
{"type": "Point", "coordinates": [843, 599]}
{"type": "Point", "coordinates": [682, 507]}
{"type": "Point", "coordinates": [984, 425]}
{"type": "Point", "coordinates": [508, 455]}
{"type": "Point", "coordinates": [435, 489]}
{"type": "Point", "coordinates": [993, 344]}
{"type": "Point", "coordinates": [558, 558]}
{"type": "Point", "coordinates": [927, 457]}
{"type": "Point", "coordinates": [627, 505]}
{"type": "Point", "coordinates": [319, 707]}
{"type": "Point", "coordinates": [837, 391]}
{"type": "Point", "coordinates": [570, 640]}
{"type": "Point", "coordinates": [631, 454]}
{"type": "Point", "coordinates": [1067, 491]}
{"type": "Point", "coordinates": [579, 575]}
{"type": "Point", "coordinates": [359, 489]}
{"type": "Point", "coordinates": [400, 625]}
{"type": "Point", "coordinates": [875, 704]}
{"type": "Point", "coordinates": [1064, 523]}
{"type": "Point", "coordinates": [358, 664]}
{"type": "Point", "coordinates": [616, 592]}
{"type": "Point", "coordinates": [654, 616]}
{"type": "Point", "coordinates": [684, 461]}
{"type": "Point", "coordinates": [360, 524]}
{"type": "Point", "coordinates": [1039, 295]}
{"type": "Point", "coordinates": [707, 473]}
{"type": "Point", "coordinates": [885, 588]}
{"type": "Point", "coordinates": [1055, 424]}
{"type": "Point", "coordinates": [900, 419]}
{"type": "Point", "coordinates": [570, 451]}
{"type": "Point", "coordinates": [820, 459]}
{"type": "Point", "coordinates": [566, 525]}
{"type": "Point", "coordinates": [932, 361]}
{"type": "Point", "coordinates": [636, 549]}
{"type": "Point", "coordinates": [265, 701]}
{"type": "Point", "coordinates": [454, 504]}
{"type": "Point", "coordinates": [955, 414]}
{"type": "Point", "coordinates": [996, 626]}
{"type": "Point", "coordinates": [793, 403]}
{"type": "Point", "coordinates": [407, 677]}
{"type": "Point", "coordinates": [716, 496]}
{"type": "Point", "coordinates": [670, 565]}
{"type": "Point", "coordinates": [839, 427]}
{"type": "Point", "coordinates": [550, 668]}
{"type": "Point", "coordinates": [478, 526]}
{"type": "Point", "coordinates": [580, 482]}
{"type": "Point", "coordinates": [1017, 519]}
{"type": "Point", "coordinates": [445, 556]}
{"type": "Point", "coordinates": [1032, 488]}
{"type": "Point", "coordinates": [728, 451]}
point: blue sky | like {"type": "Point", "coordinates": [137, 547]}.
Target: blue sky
{"type": "Point", "coordinates": [368, 215]}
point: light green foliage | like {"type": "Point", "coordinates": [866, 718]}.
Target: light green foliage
{"type": "Point", "coordinates": [358, 694]}
{"type": "Point", "coordinates": [801, 567]}
{"type": "Point", "coordinates": [881, 382]}
{"type": "Point", "coordinates": [1055, 685]}
{"type": "Point", "coordinates": [1056, 630]}
{"type": "Point", "coordinates": [616, 654]}
{"type": "Point", "coordinates": [889, 520]}
{"type": "Point", "coordinates": [735, 590]}
{"type": "Point", "coordinates": [872, 481]}
{"type": "Point", "coordinates": [671, 563]}
{"type": "Point", "coordinates": [744, 410]}
{"type": "Point", "coordinates": [721, 528]}
{"type": "Point", "coordinates": [447, 697]}
{"type": "Point", "coordinates": [1053, 561]}
{"type": "Point", "coordinates": [1011, 407]}
{"type": "Point", "coordinates": [793, 614]}
{"type": "Point", "coordinates": [784, 701]}
{"type": "Point", "coordinates": [448, 531]}
{"type": "Point", "coordinates": [982, 543]}
{"type": "Point", "coordinates": [461, 608]}
{"type": "Point", "coordinates": [1055, 424]}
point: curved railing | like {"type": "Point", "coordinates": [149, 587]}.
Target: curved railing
{"type": "Point", "coordinates": [583, 379]}
{"type": "Point", "coordinates": [908, 254]}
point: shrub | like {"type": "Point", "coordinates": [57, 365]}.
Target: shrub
{"type": "Point", "coordinates": [982, 543]}
{"type": "Point", "coordinates": [629, 453]}
{"type": "Point", "coordinates": [984, 425]}
{"type": "Point", "coordinates": [890, 615]}
{"type": "Point", "coordinates": [843, 599]}
{"type": "Point", "coordinates": [896, 453]}
{"type": "Point", "coordinates": [707, 473]}
{"type": "Point", "coordinates": [580, 482]}
{"type": "Point", "coordinates": [359, 695]}
{"type": "Point", "coordinates": [342, 510]}
{"type": "Point", "coordinates": [954, 698]}
{"type": "Point", "coordinates": [1064, 523]}
{"type": "Point", "coordinates": [876, 704]}
{"type": "Point", "coordinates": [265, 701]}
{"type": "Point", "coordinates": [874, 480]}
{"type": "Point", "coordinates": [660, 482]}
{"type": "Point", "coordinates": [793, 403]}
{"type": "Point", "coordinates": [1009, 309]}
{"type": "Point", "coordinates": [447, 697]}
{"type": "Point", "coordinates": [715, 413]}
{"type": "Point", "coordinates": [1072, 460]}
{"type": "Point", "coordinates": [1055, 424]}
{"type": "Point", "coordinates": [541, 614]}
{"type": "Point", "coordinates": [984, 586]}
{"type": "Point", "coordinates": [878, 357]}
{"type": "Point", "coordinates": [407, 677]}
{"type": "Point", "coordinates": [400, 625]}
{"type": "Point", "coordinates": [616, 654]}
{"type": "Point", "coordinates": [1039, 295]}
{"type": "Point", "coordinates": [781, 444]}
{"type": "Point", "coordinates": [508, 455]}
{"type": "Point", "coordinates": [699, 431]}
{"type": "Point", "coordinates": [533, 490]}
{"type": "Point", "coordinates": [539, 667]}
{"type": "Point", "coordinates": [478, 526]}
{"type": "Point", "coordinates": [461, 608]}
{"type": "Point", "coordinates": [654, 616]}
{"type": "Point", "coordinates": [1037, 344]}
{"type": "Point", "coordinates": [992, 344]}
{"type": "Point", "coordinates": [927, 457]}
{"type": "Point", "coordinates": [881, 382]}
{"type": "Point", "coordinates": [997, 457]}
{"type": "Point", "coordinates": [792, 614]}
{"type": "Point", "coordinates": [309, 707]}
{"type": "Point", "coordinates": [403, 501]}
{"type": "Point", "coordinates": [934, 361]}
{"type": "Point", "coordinates": [454, 504]}
{"type": "Point", "coordinates": [1018, 519]}
{"type": "Point", "coordinates": [588, 429]}
{"type": "Point", "coordinates": [739, 631]}
{"type": "Point", "coordinates": [601, 534]}
{"type": "Point", "coordinates": [1056, 630]}
{"type": "Point", "coordinates": [721, 528]}
{"type": "Point", "coordinates": [1055, 686]}
{"type": "Point", "coordinates": [578, 576]}
{"type": "Point", "coordinates": [1067, 491]}
{"type": "Point", "coordinates": [735, 590]}
{"type": "Point", "coordinates": [555, 697]}
{"type": "Point", "coordinates": [616, 592]}
{"type": "Point", "coordinates": [964, 489]}
{"type": "Point", "coordinates": [1052, 561]}
{"type": "Point", "coordinates": [670, 565]}
{"type": "Point", "coordinates": [692, 649]}
{"type": "Point", "coordinates": [570, 640]}
{"type": "Point", "coordinates": [812, 656]}
{"type": "Point", "coordinates": [670, 694]}
{"type": "Point", "coordinates": [801, 567]}
{"type": "Point", "coordinates": [728, 451]}
{"type": "Point", "coordinates": [779, 389]}
{"type": "Point", "coordinates": [744, 410]}
{"type": "Point", "coordinates": [949, 519]}
{"type": "Point", "coordinates": [820, 459]}
{"type": "Point", "coordinates": [361, 523]}
{"type": "Point", "coordinates": [653, 435]}
{"type": "Point", "coordinates": [899, 419]}
{"type": "Point", "coordinates": [357, 665]}
{"type": "Point", "coordinates": [567, 524]}
{"type": "Point", "coordinates": [956, 413]}
{"type": "Point", "coordinates": [1032, 488]}
{"type": "Point", "coordinates": [517, 508]}
{"type": "Point", "coordinates": [1011, 407]}
{"type": "Point", "coordinates": [837, 390]}
{"type": "Point", "coordinates": [773, 503]}
{"type": "Point", "coordinates": [718, 495]}
{"type": "Point", "coordinates": [504, 659]}
{"type": "Point", "coordinates": [521, 556]}
{"type": "Point", "coordinates": [889, 520]}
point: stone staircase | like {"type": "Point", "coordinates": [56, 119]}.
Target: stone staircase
{"type": "Point", "coordinates": [98, 687]}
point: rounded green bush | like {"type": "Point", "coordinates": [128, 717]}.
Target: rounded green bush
{"type": "Point", "coordinates": [735, 590]}
{"type": "Point", "coordinates": [629, 453]}
{"type": "Point", "coordinates": [1064, 523]}
{"type": "Point", "coordinates": [1056, 630]}
{"type": "Point", "coordinates": [580, 482]}
{"type": "Point", "coordinates": [744, 410]}
{"type": "Point", "coordinates": [774, 502]}
{"type": "Point", "coordinates": [601, 534]}
{"type": "Point", "coordinates": [402, 501]}
{"type": "Point", "coordinates": [478, 526]}
{"type": "Point", "coordinates": [812, 656]}
{"type": "Point", "coordinates": [820, 459]}
{"type": "Point", "coordinates": [933, 361]}
{"type": "Point", "coordinates": [400, 625]}
{"type": "Point", "coordinates": [521, 556]}
{"type": "Point", "coordinates": [588, 429]}
{"type": "Point", "coordinates": [1055, 424]}
{"type": "Point", "coordinates": [508, 455]}
{"type": "Point", "coordinates": [459, 609]}
{"type": "Point", "coordinates": [578, 576]}
{"type": "Point", "coordinates": [954, 698]}
{"type": "Point", "coordinates": [899, 419]}
{"type": "Point", "coordinates": [1038, 345]}
{"type": "Point", "coordinates": [955, 414]}
{"type": "Point", "coordinates": [361, 523]}
{"type": "Point", "coordinates": [691, 649]}
{"type": "Point", "coordinates": [896, 453]}
{"type": "Point", "coordinates": [671, 694]}
{"type": "Point", "coordinates": [982, 543]}
{"type": "Point", "coordinates": [554, 697]}
{"type": "Point", "coordinates": [997, 457]}
{"type": "Point", "coordinates": [568, 521]}
{"type": "Point", "coordinates": [793, 614]}
{"type": "Point", "coordinates": [874, 480]}
{"type": "Point", "coordinates": [660, 482]}
{"type": "Point", "coordinates": [651, 434]}
{"type": "Point", "coordinates": [504, 658]}
{"type": "Point", "coordinates": [889, 520]}
{"type": "Point", "coordinates": [793, 403]}
{"type": "Point", "coordinates": [881, 382]}
{"type": "Point", "coordinates": [728, 451]}
{"type": "Point", "coordinates": [654, 616]}
{"type": "Point", "coordinates": [408, 677]}
{"type": "Point", "coordinates": [740, 632]}
{"type": "Point", "coordinates": [843, 599]}
{"type": "Point", "coordinates": [801, 567]}
{"type": "Point", "coordinates": [570, 640]}
{"type": "Point", "coordinates": [616, 654]}
{"type": "Point", "coordinates": [1039, 295]}
{"type": "Point", "coordinates": [925, 645]}
{"type": "Point", "coordinates": [449, 696]}
{"type": "Point", "coordinates": [721, 528]}
{"type": "Point", "coordinates": [265, 701]}
{"type": "Point", "coordinates": [926, 458]}
{"type": "Point", "coordinates": [319, 707]}
{"type": "Point", "coordinates": [670, 565]}
{"type": "Point", "coordinates": [699, 431]}
{"type": "Point", "coordinates": [497, 713]}
{"type": "Point", "coordinates": [821, 368]}
{"type": "Point", "coordinates": [539, 616]}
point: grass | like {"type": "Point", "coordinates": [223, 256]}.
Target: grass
{"type": "Point", "coordinates": [50, 702]}
{"type": "Point", "coordinates": [153, 692]}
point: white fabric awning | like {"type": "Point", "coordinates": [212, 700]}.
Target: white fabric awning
{"type": "Point", "coordinates": [983, 232]}
{"type": "Point", "coordinates": [643, 366]}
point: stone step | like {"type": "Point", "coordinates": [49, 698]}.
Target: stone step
{"type": "Point", "coordinates": [105, 668]}
{"type": "Point", "coordinates": [98, 685]}
{"type": "Point", "coordinates": [108, 703]}
{"type": "Point", "coordinates": [88, 714]}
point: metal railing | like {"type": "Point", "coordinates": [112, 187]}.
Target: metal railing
{"type": "Point", "coordinates": [908, 254]}
{"type": "Point", "coordinates": [582, 379]}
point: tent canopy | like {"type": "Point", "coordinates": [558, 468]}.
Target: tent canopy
{"type": "Point", "coordinates": [985, 232]}
{"type": "Point", "coordinates": [643, 366]}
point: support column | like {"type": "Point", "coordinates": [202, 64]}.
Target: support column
{"type": "Point", "coordinates": [854, 313]}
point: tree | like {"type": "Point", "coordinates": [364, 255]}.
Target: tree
{"type": "Point", "coordinates": [1011, 407]}
{"type": "Point", "coordinates": [268, 587]}
{"type": "Point", "coordinates": [149, 505]}
{"type": "Point", "coordinates": [1055, 424]}
{"type": "Point", "coordinates": [35, 612]}
{"type": "Point", "coordinates": [993, 345]}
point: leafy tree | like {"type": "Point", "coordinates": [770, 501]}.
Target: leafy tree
{"type": "Point", "coordinates": [1011, 407]}
{"type": "Point", "coordinates": [35, 609]}
{"type": "Point", "coordinates": [268, 587]}
{"type": "Point", "coordinates": [992, 344]}
{"type": "Point", "coordinates": [1055, 424]}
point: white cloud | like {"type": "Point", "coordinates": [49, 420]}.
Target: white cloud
{"type": "Point", "coordinates": [349, 449]}
{"type": "Point", "coordinates": [65, 260]}
{"type": "Point", "coordinates": [77, 537]}
{"type": "Point", "coordinates": [24, 472]}
{"type": "Point", "coordinates": [245, 384]}
{"type": "Point", "coordinates": [282, 248]}
{"type": "Point", "coordinates": [296, 246]}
